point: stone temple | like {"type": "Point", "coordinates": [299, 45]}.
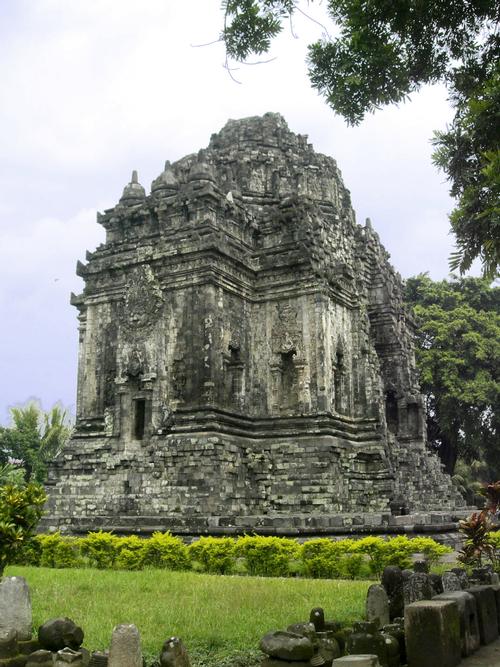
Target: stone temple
{"type": "Point", "coordinates": [245, 356]}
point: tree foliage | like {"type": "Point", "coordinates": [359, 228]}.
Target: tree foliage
{"type": "Point", "coordinates": [385, 51]}
{"type": "Point", "coordinates": [458, 355]}
{"type": "Point", "coordinates": [34, 438]}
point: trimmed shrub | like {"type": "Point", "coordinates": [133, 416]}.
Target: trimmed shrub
{"type": "Point", "coordinates": [100, 548]}
{"type": "Point", "coordinates": [163, 550]}
{"type": "Point", "coordinates": [130, 552]}
{"type": "Point", "coordinates": [351, 565]}
{"type": "Point", "coordinates": [267, 556]}
{"type": "Point", "coordinates": [375, 548]}
{"type": "Point", "coordinates": [129, 560]}
{"type": "Point", "coordinates": [215, 554]}
{"type": "Point", "coordinates": [30, 553]}
{"type": "Point", "coordinates": [398, 551]}
{"type": "Point", "coordinates": [322, 557]}
{"type": "Point", "coordinates": [58, 551]}
{"type": "Point", "coordinates": [261, 556]}
{"type": "Point", "coordinates": [431, 550]}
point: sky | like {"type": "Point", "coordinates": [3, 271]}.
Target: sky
{"type": "Point", "coordinates": [92, 89]}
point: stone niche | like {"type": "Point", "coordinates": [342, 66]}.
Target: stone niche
{"type": "Point", "coordinates": [244, 352]}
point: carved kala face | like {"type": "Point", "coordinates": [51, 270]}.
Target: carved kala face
{"type": "Point", "coordinates": [142, 299]}
{"type": "Point", "coordinates": [139, 305]}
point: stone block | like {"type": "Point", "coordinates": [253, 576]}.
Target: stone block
{"type": "Point", "coordinates": [392, 581]}
{"type": "Point", "coordinates": [450, 582]}
{"type": "Point", "coordinates": [276, 662]}
{"type": "Point", "coordinates": [174, 654]}
{"type": "Point", "coordinates": [125, 649]}
{"type": "Point", "coordinates": [317, 618]}
{"type": "Point", "coordinates": [287, 646]}
{"type": "Point", "coordinates": [462, 577]}
{"type": "Point", "coordinates": [486, 612]}
{"type": "Point", "coordinates": [365, 660]}
{"type": "Point", "coordinates": [16, 661]}
{"type": "Point", "coordinates": [41, 658]}
{"type": "Point", "coordinates": [327, 645]}
{"type": "Point", "coordinates": [304, 629]}
{"type": "Point", "coordinates": [68, 656]}
{"type": "Point", "coordinates": [367, 640]}
{"type": "Point", "coordinates": [432, 631]}
{"type": "Point", "coordinates": [59, 633]}
{"type": "Point", "coordinates": [469, 623]}
{"type": "Point", "coordinates": [28, 646]}
{"type": "Point", "coordinates": [8, 644]}
{"type": "Point", "coordinates": [15, 606]}
{"type": "Point", "coordinates": [417, 587]}
{"type": "Point", "coordinates": [98, 659]}
{"type": "Point", "coordinates": [396, 630]}
{"type": "Point", "coordinates": [436, 583]}
{"type": "Point", "coordinates": [377, 605]}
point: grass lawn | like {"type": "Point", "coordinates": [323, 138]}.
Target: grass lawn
{"type": "Point", "coordinates": [220, 618]}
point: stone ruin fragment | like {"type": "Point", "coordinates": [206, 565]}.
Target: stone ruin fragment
{"type": "Point", "coordinates": [245, 355]}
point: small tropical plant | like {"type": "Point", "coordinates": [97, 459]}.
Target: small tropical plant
{"type": "Point", "coordinates": [21, 508]}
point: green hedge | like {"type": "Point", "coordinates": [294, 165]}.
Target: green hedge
{"type": "Point", "coordinates": [251, 554]}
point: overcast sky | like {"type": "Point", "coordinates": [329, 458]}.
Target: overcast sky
{"type": "Point", "coordinates": [92, 89]}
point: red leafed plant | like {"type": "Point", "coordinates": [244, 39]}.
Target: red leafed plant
{"type": "Point", "coordinates": [478, 545]}
{"type": "Point", "coordinates": [492, 494]}
{"type": "Point", "coordinates": [477, 529]}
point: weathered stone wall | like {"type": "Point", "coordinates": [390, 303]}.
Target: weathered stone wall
{"type": "Point", "coordinates": [244, 349]}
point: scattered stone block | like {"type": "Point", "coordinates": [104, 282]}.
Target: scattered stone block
{"type": "Point", "coordinates": [486, 612]}
{"type": "Point", "coordinates": [15, 606]}
{"type": "Point", "coordinates": [462, 576]}
{"type": "Point", "coordinates": [287, 646]}
{"type": "Point", "coordinates": [377, 605]}
{"type": "Point", "coordinates": [28, 646]}
{"type": "Point", "coordinates": [98, 659]}
{"type": "Point", "coordinates": [484, 575]}
{"type": "Point", "coordinates": [85, 656]}
{"type": "Point", "coordinates": [397, 631]}
{"type": "Point", "coordinates": [276, 662]}
{"type": "Point", "coordinates": [317, 618]}
{"type": "Point", "coordinates": [174, 654]}
{"type": "Point", "coordinates": [125, 649]}
{"type": "Point", "coordinates": [432, 631]}
{"type": "Point", "coordinates": [391, 650]}
{"type": "Point", "coordinates": [17, 661]}
{"type": "Point", "coordinates": [417, 587]}
{"type": "Point", "coordinates": [451, 582]}
{"type": "Point", "coordinates": [342, 635]}
{"type": "Point", "coordinates": [67, 656]}
{"type": "Point", "coordinates": [421, 566]}
{"type": "Point", "coordinates": [436, 583]}
{"type": "Point", "coordinates": [469, 624]}
{"type": "Point", "coordinates": [392, 581]}
{"type": "Point", "coordinates": [59, 633]}
{"type": "Point", "coordinates": [327, 646]}
{"type": "Point", "coordinates": [367, 640]}
{"type": "Point", "coordinates": [304, 629]}
{"type": "Point", "coordinates": [496, 591]}
{"type": "Point", "coordinates": [357, 661]}
{"type": "Point", "coordinates": [8, 644]}
{"type": "Point", "coordinates": [41, 658]}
